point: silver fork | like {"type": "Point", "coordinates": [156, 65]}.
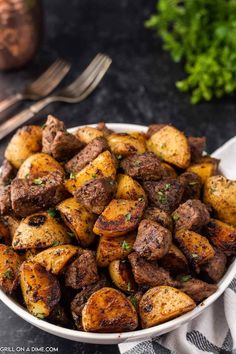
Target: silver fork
{"type": "Point", "coordinates": [76, 92]}
{"type": "Point", "coordinates": [41, 87]}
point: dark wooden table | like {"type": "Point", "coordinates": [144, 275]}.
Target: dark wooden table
{"type": "Point", "coordinates": [139, 88]}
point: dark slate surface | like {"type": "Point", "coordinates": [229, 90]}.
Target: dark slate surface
{"type": "Point", "coordinates": [139, 88]}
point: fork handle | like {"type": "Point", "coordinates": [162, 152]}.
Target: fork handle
{"type": "Point", "coordinates": [22, 117]}
{"type": "Point", "coordinates": [10, 101]}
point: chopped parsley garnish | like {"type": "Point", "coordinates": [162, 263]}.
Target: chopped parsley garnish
{"type": "Point", "coordinates": [55, 243]}
{"type": "Point", "coordinates": [128, 217]}
{"type": "Point", "coordinates": [129, 286]}
{"type": "Point", "coordinates": [71, 234]}
{"type": "Point", "coordinates": [137, 163]}
{"type": "Point", "coordinates": [125, 246]}
{"type": "Point", "coordinates": [119, 157]}
{"type": "Point", "coordinates": [72, 175]}
{"type": "Point", "coordinates": [194, 255]}
{"type": "Point", "coordinates": [133, 300]}
{"type": "Point", "coordinates": [8, 274]}
{"type": "Point", "coordinates": [162, 197]}
{"type": "Point", "coordinates": [40, 316]}
{"type": "Point", "coordinates": [193, 183]}
{"type": "Point", "coordinates": [94, 176]}
{"type": "Point", "coordinates": [167, 186]}
{"type": "Point", "coordinates": [141, 199]}
{"type": "Point", "coordinates": [175, 217]}
{"type": "Point", "coordinates": [52, 212]}
{"type": "Point", "coordinates": [186, 278]}
{"type": "Point", "coordinates": [38, 181]}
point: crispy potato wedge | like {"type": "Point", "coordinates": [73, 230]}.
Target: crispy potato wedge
{"type": "Point", "coordinates": [110, 249]}
{"type": "Point", "coordinates": [26, 142]}
{"type": "Point", "coordinates": [206, 167]}
{"type": "Point", "coordinates": [87, 134]}
{"type": "Point", "coordinates": [163, 303]}
{"type": "Point", "coordinates": [108, 310]}
{"type": "Point", "coordinates": [122, 276]}
{"type": "Point", "coordinates": [174, 261]}
{"type": "Point", "coordinates": [39, 165]}
{"type": "Point", "coordinates": [119, 217]}
{"type": "Point", "coordinates": [40, 289]}
{"type": "Point", "coordinates": [103, 166]}
{"type": "Point", "coordinates": [171, 145]}
{"type": "Point", "coordinates": [5, 236]}
{"type": "Point", "coordinates": [124, 144]}
{"type": "Point", "coordinates": [30, 254]}
{"type": "Point", "coordinates": [221, 235]}
{"type": "Point", "coordinates": [54, 259]}
{"type": "Point", "coordinates": [196, 247]}
{"type": "Point", "coordinates": [39, 230]}
{"type": "Point", "coordinates": [128, 188]}
{"type": "Point", "coordinates": [12, 224]}
{"type": "Point", "coordinates": [220, 193]}
{"type": "Point", "coordinates": [79, 220]}
{"type": "Point", "coordinates": [10, 263]}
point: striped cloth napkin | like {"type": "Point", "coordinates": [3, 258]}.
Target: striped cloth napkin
{"type": "Point", "coordinates": [214, 331]}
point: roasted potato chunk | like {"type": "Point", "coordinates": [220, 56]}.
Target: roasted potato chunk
{"type": "Point", "coordinates": [108, 310]}
{"type": "Point", "coordinates": [54, 259]}
{"type": "Point", "coordinates": [39, 230]}
{"type": "Point", "coordinates": [222, 236]}
{"type": "Point", "coordinates": [122, 276]}
{"type": "Point", "coordinates": [171, 145]}
{"type": "Point", "coordinates": [26, 142]}
{"type": "Point", "coordinates": [110, 249]}
{"type": "Point", "coordinates": [40, 289]}
{"type": "Point", "coordinates": [124, 144]}
{"type": "Point", "coordinates": [39, 165]}
{"type": "Point", "coordinates": [163, 303]}
{"type": "Point", "coordinates": [220, 192]}
{"type": "Point", "coordinates": [205, 167]}
{"type": "Point", "coordinates": [119, 217]}
{"type": "Point", "coordinates": [79, 220]}
{"type": "Point", "coordinates": [87, 134]}
{"type": "Point", "coordinates": [12, 224]}
{"type": "Point", "coordinates": [128, 188]}
{"type": "Point", "coordinates": [10, 263]}
{"type": "Point", "coordinates": [196, 247]}
{"type": "Point", "coordinates": [103, 166]}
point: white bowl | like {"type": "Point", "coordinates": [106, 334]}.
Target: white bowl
{"type": "Point", "coordinates": [115, 338]}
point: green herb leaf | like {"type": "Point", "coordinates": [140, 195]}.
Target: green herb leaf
{"type": "Point", "coordinates": [129, 286]}
{"type": "Point", "coordinates": [71, 234]}
{"type": "Point", "coordinates": [52, 212]}
{"type": "Point", "coordinates": [40, 316]}
{"type": "Point", "coordinates": [193, 183]}
{"type": "Point", "coordinates": [175, 217]}
{"type": "Point", "coordinates": [162, 197]}
{"type": "Point", "coordinates": [119, 157]}
{"type": "Point", "coordinates": [72, 175]}
{"type": "Point", "coordinates": [194, 255]}
{"type": "Point", "coordinates": [125, 246]}
{"type": "Point", "coordinates": [55, 243]}
{"type": "Point", "coordinates": [186, 278]}
{"type": "Point", "coordinates": [38, 181]}
{"type": "Point", "coordinates": [134, 300]}
{"type": "Point", "coordinates": [94, 176]}
{"type": "Point", "coordinates": [128, 217]}
{"type": "Point", "coordinates": [8, 274]}
{"type": "Point", "coordinates": [141, 199]}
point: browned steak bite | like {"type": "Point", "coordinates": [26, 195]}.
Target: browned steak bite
{"type": "Point", "coordinates": [192, 185]}
{"type": "Point", "coordinates": [8, 172]}
{"type": "Point", "coordinates": [86, 155]}
{"type": "Point", "coordinates": [148, 273]}
{"type": "Point", "coordinates": [159, 216]}
{"type": "Point", "coordinates": [82, 297]}
{"type": "Point", "coordinates": [145, 166]}
{"type": "Point", "coordinates": [30, 196]}
{"type": "Point", "coordinates": [215, 268]}
{"type": "Point", "coordinates": [197, 289]}
{"type": "Point", "coordinates": [96, 194]}
{"type": "Point", "coordinates": [153, 240]}
{"type": "Point", "coordinates": [5, 200]}
{"type": "Point", "coordinates": [165, 194]}
{"type": "Point", "coordinates": [197, 146]}
{"type": "Point", "coordinates": [191, 215]}
{"type": "Point", "coordinates": [153, 128]}
{"type": "Point", "coordinates": [83, 271]}
{"type": "Point", "coordinates": [57, 141]}
{"type": "Point", "coordinates": [103, 128]}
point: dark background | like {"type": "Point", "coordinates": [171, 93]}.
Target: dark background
{"type": "Point", "coordinates": [139, 88]}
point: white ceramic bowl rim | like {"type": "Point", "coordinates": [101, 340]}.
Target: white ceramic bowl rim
{"type": "Point", "coordinates": [112, 338]}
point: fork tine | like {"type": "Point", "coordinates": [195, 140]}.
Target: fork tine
{"type": "Point", "coordinates": [80, 84]}
{"type": "Point", "coordinates": [87, 72]}
{"type": "Point", "coordinates": [97, 79]}
{"type": "Point", "coordinates": [51, 78]}
{"type": "Point", "coordinates": [47, 73]}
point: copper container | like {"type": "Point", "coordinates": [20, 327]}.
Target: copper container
{"type": "Point", "coordinates": [20, 31]}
